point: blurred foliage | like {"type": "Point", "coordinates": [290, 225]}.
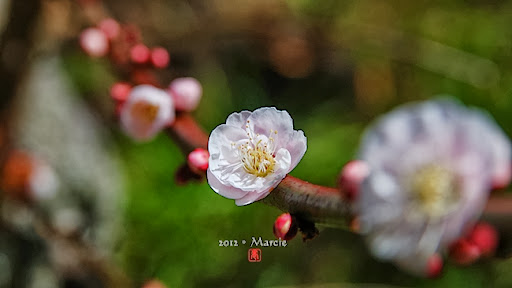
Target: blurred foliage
{"type": "Point", "coordinates": [357, 60]}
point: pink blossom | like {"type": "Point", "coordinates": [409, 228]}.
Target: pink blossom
{"type": "Point", "coordinates": [252, 153]}
{"type": "Point", "coordinates": [94, 42]}
{"type": "Point", "coordinates": [432, 166]}
{"type": "Point", "coordinates": [186, 92]}
{"type": "Point", "coordinates": [146, 112]}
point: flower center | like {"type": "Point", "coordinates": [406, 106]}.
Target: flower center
{"type": "Point", "coordinates": [258, 157]}
{"type": "Point", "coordinates": [145, 112]}
{"type": "Point", "coordinates": [434, 189]}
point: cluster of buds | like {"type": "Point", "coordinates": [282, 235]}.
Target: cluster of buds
{"type": "Point", "coordinates": [480, 242]}
{"type": "Point", "coordinates": [122, 44]}
{"type": "Point", "coordinates": [144, 108]}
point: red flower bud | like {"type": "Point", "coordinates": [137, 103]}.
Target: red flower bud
{"type": "Point", "coordinates": [110, 27]}
{"type": "Point", "coordinates": [434, 266]}
{"type": "Point", "coordinates": [139, 54]}
{"type": "Point", "coordinates": [352, 175]}
{"type": "Point", "coordinates": [485, 237]}
{"type": "Point", "coordinates": [285, 227]}
{"type": "Point", "coordinates": [120, 91]}
{"type": "Point", "coordinates": [198, 160]}
{"type": "Point", "coordinates": [464, 252]}
{"type": "Point", "coordinates": [160, 57]}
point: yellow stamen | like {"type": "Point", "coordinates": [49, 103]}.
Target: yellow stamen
{"type": "Point", "coordinates": [435, 190]}
{"type": "Point", "coordinates": [257, 158]}
{"type": "Point", "coordinates": [145, 112]}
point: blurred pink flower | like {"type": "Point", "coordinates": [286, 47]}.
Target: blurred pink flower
{"type": "Point", "coordinates": [146, 112]}
{"type": "Point", "coordinates": [94, 42]}
{"type": "Point", "coordinates": [432, 166]}
{"type": "Point", "coordinates": [252, 153]}
{"type": "Point", "coordinates": [186, 92]}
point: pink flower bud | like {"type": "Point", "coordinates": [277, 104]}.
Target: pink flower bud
{"type": "Point", "coordinates": [434, 266]}
{"type": "Point", "coordinates": [160, 57]}
{"type": "Point", "coordinates": [154, 284]}
{"type": "Point", "coordinates": [140, 54]}
{"type": "Point", "coordinates": [485, 237]}
{"type": "Point", "coordinates": [94, 42]}
{"type": "Point", "coordinates": [186, 93]}
{"type": "Point", "coordinates": [120, 90]}
{"type": "Point", "coordinates": [198, 160]}
{"type": "Point", "coordinates": [464, 252]}
{"type": "Point", "coordinates": [285, 227]}
{"type": "Point", "coordinates": [352, 175]}
{"type": "Point", "coordinates": [110, 27]}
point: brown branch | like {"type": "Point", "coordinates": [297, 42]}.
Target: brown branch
{"type": "Point", "coordinates": [187, 133]}
{"type": "Point", "coordinates": [326, 205]}
{"type": "Point", "coordinates": [312, 202]}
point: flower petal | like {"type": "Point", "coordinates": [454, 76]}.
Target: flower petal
{"type": "Point", "coordinates": [251, 197]}
{"type": "Point", "coordinates": [296, 145]}
{"type": "Point", "coordinates": [222, 139]}
{"type": "Point", "coordinates": [238, 119]}
{"type": "Point", "coordinates": [224, 190]}
{"type": "Point", "coordinates": [265, 119]}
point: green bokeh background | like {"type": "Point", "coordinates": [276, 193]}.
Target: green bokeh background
{"type": "Point", "coordinates": [368, 57]}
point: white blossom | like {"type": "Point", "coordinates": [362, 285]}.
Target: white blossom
{"type": "Point", "coordinates": [146, 112]}
{"type": "Point", "coordinates": [252, 153]}
{"type": "Point", "coordinates": [432, 166]}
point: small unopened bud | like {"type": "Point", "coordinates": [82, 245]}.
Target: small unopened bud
{"type": "Point", "coordinates": [160, 57]}
{"type": "Point", "coordinates": [198, 160]}
{"type": "Point", "coordinates": [351, 177]}
{"type": "Point", "coordinates": [186, 93]}
{"type": "Point", "coordinates": [285, 227]}
{"type": "Point", "coordinates": [120, 91]}
{"type": "Point", "coordinates": [110, 27]}
{"type": "Point", "coordinates": [140, 54]}
{"type": "Point", "coordinates": [154, 284]}
{"type": "Point", "coordinates": [464, 252]}
{"type": "Point", "coordinates": [434, 266]}
{"type": "Point", "coordinates": [485, 237]}
{"type": "Point", "coordinates": [94, 42]}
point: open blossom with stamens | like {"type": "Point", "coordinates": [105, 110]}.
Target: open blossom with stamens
{"type": "Point", "coordinates": [252, 153]}
{"type": "Point", "coordinates": [432, 166]}
{"type": "Point", "coordinates": [146, 112]}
